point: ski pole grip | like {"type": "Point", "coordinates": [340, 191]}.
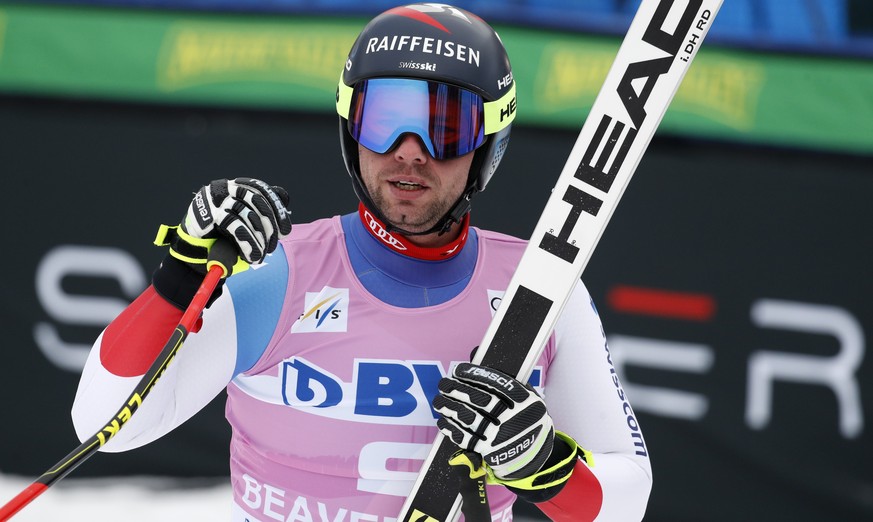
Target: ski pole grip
{"type": "Point", "coordinates": [471, 482]}
{"type": "Point", "coordinates": [224, 255]}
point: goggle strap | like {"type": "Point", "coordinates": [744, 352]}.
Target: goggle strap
{"type": "Point", "coordinates": [343, 99]}
{"type": "Point", "coordinates": [500, 113]}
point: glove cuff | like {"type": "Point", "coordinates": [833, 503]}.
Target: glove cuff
{"type": "Point", "coordinates": [191, 250]}
{"type": "Point", "coordinates": [177, 282]}
{"type": "Point", "coordinates": [548, 482]}
{"type": "Point", "coordinates": [183, 246]}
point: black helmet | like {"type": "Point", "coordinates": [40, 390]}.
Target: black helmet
{"type": "Point", "coordinates": [442, 45]}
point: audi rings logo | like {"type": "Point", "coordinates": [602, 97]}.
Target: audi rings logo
{"type": "Point", "coordinates": [383, 234]}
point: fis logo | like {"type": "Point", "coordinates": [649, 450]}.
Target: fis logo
{"type": "Point", "coordinates": [324, 311]}
{"type": "Point", "coordinates": [495, 297]}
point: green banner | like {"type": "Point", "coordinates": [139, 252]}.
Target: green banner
{"type": "Point", "coordinates": [170, 57]}
{"type": "Point", "coordinates": [294, 62]}
{"type": "Point", "coordinates": [776, 99]}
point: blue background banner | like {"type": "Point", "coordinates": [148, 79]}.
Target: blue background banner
{"type": "Point", "coordinates": [840, 27]}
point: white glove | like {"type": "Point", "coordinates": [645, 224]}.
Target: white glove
{"type": "Point", "coordinates": [493, 414]}
{"type": "Point", "coordinates": [249, 212]}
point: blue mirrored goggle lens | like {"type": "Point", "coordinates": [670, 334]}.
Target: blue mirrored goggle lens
{"type": "Point", "coordinates": [449, 120]}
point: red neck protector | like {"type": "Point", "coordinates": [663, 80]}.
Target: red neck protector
{"type": "Point", "coordinates": [401, 245]}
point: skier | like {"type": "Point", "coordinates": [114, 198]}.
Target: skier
{"type": "Point", "coordinates": [343, 351]}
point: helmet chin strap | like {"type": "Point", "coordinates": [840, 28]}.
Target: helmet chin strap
{"type": "Point", "coordinates": [401, 244]}
{"type": "Point", "coordinates": [460, 209]}
{"type": "Point", "coordinates": [396, 237]}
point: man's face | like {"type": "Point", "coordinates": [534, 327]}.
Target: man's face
{"type": "Point", "coordinates": [411, 188]}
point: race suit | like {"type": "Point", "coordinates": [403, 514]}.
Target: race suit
{"type": "Point", "coordinates": [330, 353]}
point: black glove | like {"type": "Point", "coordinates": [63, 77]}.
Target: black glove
{"type": "Point", "coordinates": [249, 213]}
{"type": "Point", "coordinates": [493, 414]}
{"type": "Point", "coordinates": [506, 422]}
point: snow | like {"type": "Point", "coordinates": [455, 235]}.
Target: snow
{"type": "Point", "coordinates": [131, 499]}
{"type": "Point", "coordinates": [128, 499]}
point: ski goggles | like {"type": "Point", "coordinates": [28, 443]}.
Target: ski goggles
{"type": "Point", "coordinates": [450, 121]}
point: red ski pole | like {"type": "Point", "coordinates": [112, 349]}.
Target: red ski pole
{"type": "Point", "coordinates": [222, 257]}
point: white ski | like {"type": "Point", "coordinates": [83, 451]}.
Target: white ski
{"type": "Point", "coordinates": [663, 38]}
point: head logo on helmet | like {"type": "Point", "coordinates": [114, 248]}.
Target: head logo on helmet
{"type": "Point", "coordinates": [439, 44]}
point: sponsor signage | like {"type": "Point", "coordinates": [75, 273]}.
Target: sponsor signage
{"type": "Point", "coordinates": [286, 62]}
{"type": "Point", "coordinates": [733, 284]}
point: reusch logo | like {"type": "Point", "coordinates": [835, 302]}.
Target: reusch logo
{"type": "Point", "coordinates": [204, 218]}
{"type": "Point", "coordinates": [507, 453]}
{"type": "Point", "coordinates": [505, 383]}
{"type": "Point", "coordinates": [277, 203]}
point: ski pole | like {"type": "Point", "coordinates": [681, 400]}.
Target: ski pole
{"type": "Point", "coordinates": [222, 257]}
{"type": "Point", "coordinates": [470, 469]}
